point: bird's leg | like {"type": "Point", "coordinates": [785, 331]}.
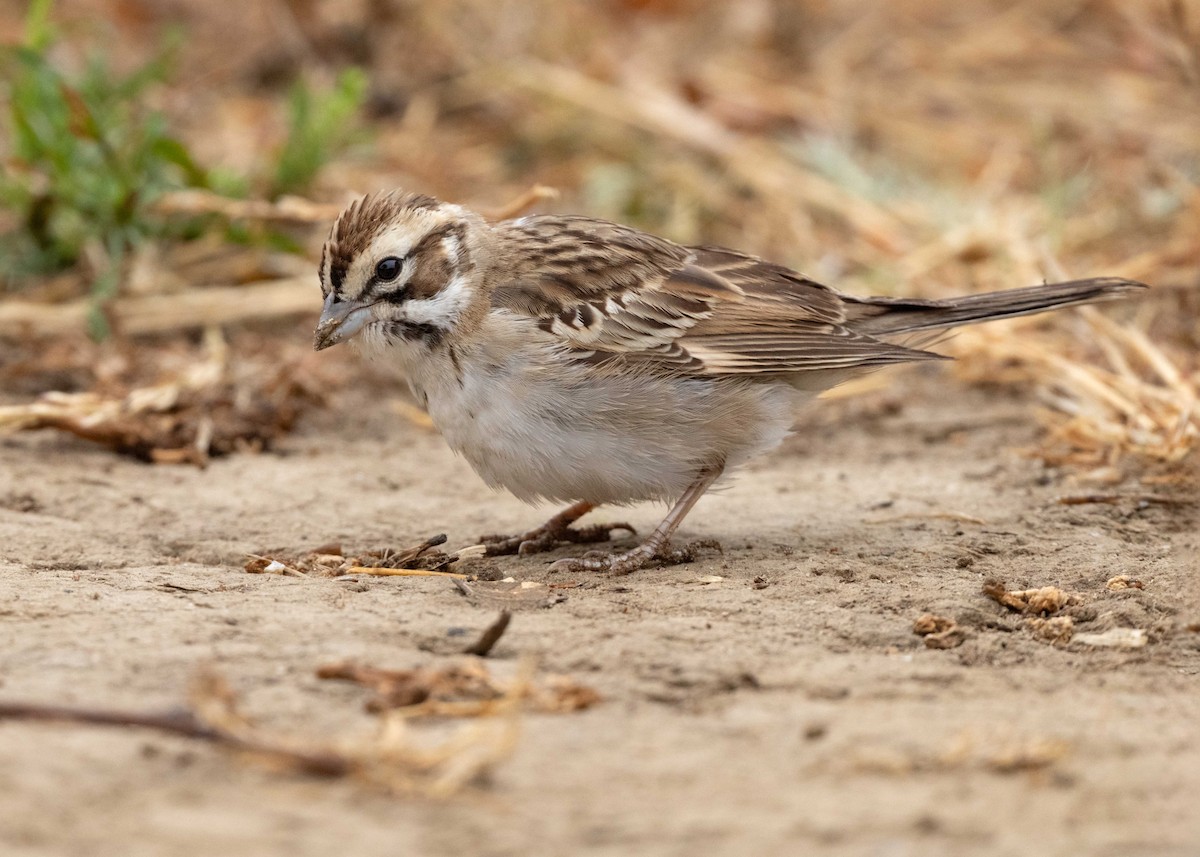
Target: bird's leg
{"type": "Point", "coordinates": [656, 547]}
{"type": "Point", "coordinates": [553, 533]}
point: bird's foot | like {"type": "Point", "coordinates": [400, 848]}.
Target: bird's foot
{"type": "Point", "coordinates": [549, 536]}
{"type": "Point", "coordinates": [640, 557]}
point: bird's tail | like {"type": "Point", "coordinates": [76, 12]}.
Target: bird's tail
{"type": "Point", "coordinates": [883, 317]}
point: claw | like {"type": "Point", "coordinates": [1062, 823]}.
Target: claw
{"type": "Point", "coordinates": [631, 561]}
{"type": "Point", "coordinates": [595, 533]}
{"type": "Point", "coordinates": [530, 546]}
{"type": "Point", "coordinates": [549, 536]}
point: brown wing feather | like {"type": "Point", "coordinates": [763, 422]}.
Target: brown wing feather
{"type": "Point", "coordinates": [609, 290]}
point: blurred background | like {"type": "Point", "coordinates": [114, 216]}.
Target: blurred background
{"type": "Point", "coordinates": [170, 170]}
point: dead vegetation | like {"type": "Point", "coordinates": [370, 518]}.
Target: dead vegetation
{"type": "Point", "coordinates": [329, 561]}
{"type": "Point", "coordinates": [997, 752]}
{"type": "Point", "coordinates": [463, 689]}
{"type": "Point", "coordinates": [399, 758]}
{"type": "Point", "coordinates": [210, 406]}
{"type": "Point", "coordinates": [1055, 616]}
{"type": "Point", "coordinates": [910, 147]}
{"type": "Point", "coordinates": [939, 632]}
{"type": "Point", "coordinates": [1044, 601]}
{"type": "Point", "coordinates": [886, 147]}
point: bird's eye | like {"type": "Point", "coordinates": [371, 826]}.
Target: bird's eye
{"type": "Point", "coordinates": [388, 269]}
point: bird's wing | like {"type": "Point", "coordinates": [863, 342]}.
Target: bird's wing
{"type": "Point", "coordinates": [610, 291]}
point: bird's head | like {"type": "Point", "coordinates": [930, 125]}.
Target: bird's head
{"type": "Point", "coordinates": [400, 267]}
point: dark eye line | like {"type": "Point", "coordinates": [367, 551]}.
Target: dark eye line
{"type": "Point", "coordinates": [379, 288]}
{"type": "Point", "coordinates": [396, 297]}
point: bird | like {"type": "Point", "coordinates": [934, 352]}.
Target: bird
{"type": "Point", "coordinates": [583, 362]}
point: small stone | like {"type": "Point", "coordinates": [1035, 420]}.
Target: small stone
{"type": "Point", "coordinates": [1116, 638]}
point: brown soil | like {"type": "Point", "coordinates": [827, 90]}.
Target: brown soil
{"type": "Point", "coordinates": [785, 708]}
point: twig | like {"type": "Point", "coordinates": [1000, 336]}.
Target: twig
{"type": "Point", "coordinates": [490, 636]}
{"type": "Point", "coordinates": [415, 691]}
{"type": "Point", "coordinates": [196, 307]}
{"type": "Point", "coordinates": [288, 209]}
{"type": "Point", "coordinates": [522, 203]}
{"type": "Point", "coordinates": [402, 572]}
{"type": "Point", "coordinates": [178, 721]}
{"type": "Point", "coordinates": [417, 550]}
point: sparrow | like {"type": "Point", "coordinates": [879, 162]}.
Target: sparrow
{"type": "Point", "coordinates": [584, 362]}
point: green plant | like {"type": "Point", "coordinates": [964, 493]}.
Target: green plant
{"type": "Point", "coordinates": [84, 162]}
{"type": "Point", "coordinates": [320, 122]}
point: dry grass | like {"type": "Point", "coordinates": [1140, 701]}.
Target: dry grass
{"type": "Point", "coordinates": [896, 147]}
{"type": "Point", "coordinates": [404, 756]}
{"type": "Point", "coordinates": [206, 405]}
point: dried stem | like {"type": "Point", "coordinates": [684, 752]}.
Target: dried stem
{"type": "Point", "coordinates": [185, 723]}
{"type": "Point", "coordinates": [491, 635]}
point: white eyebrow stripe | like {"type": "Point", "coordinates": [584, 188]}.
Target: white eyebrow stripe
{"type": "Point", "coordinates": [398, 239]}
{"type": "Point", "coordinates": [452, 246]}
{"type": "Point", "coordinates": [444, 308]}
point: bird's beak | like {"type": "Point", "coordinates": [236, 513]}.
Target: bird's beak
{"type": "Point", "coordinates": [340, 320]}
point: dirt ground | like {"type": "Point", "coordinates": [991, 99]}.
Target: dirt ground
{"type": "Point", "coordinates": [785, 708]}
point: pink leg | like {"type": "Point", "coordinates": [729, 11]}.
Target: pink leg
{"type": "Point", "coordinates": [656, 547]}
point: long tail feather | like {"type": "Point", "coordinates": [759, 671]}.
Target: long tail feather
{"type": "Point", "coordinates": [891, 316]}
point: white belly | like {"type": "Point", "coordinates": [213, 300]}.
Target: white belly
{"type": "Point", "coordinates": [562, 432]}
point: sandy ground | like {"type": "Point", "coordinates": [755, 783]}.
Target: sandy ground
{"type": "Point", "coordinates": [797, 715]}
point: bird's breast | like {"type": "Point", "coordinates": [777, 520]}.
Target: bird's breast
{"type": "Point", "coordinates": [546, 427]}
